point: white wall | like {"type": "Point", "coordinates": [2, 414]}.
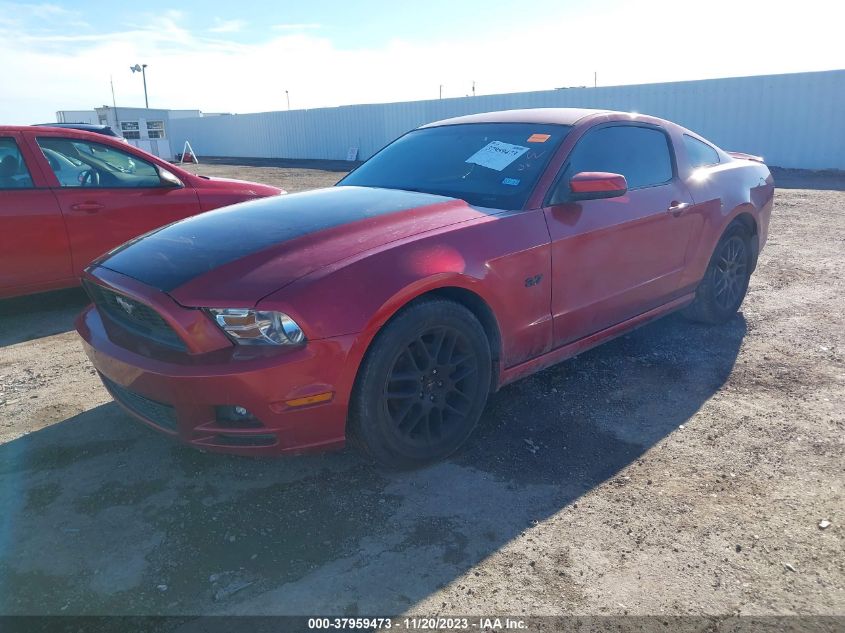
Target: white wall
{"type": "Point", "coordinates": [160, 147]}
{"type": "Point", "coordinates": [77, 116]}
{"type": "Point", "coordinates": [182, 114]}
{"type": "Point", "coordinates": [793, 120]}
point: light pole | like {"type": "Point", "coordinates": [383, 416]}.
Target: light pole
{"type": "Point", "coordinates": [287, 96]}
{"type": "Point", "coordinates": [142, 68]}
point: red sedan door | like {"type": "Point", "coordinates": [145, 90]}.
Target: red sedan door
{"type": "Point", "coordinates": [615, 258]}
{"type": "Point", "coordinates": [34, 252]}
{"type": "Point", "coordinates": [109, 194]}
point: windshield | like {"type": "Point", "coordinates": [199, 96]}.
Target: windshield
{"type": "Point", "coordinates": [486, 164]}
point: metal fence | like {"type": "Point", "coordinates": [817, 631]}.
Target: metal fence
{"type": "Point", "coordinates": [792, 120]}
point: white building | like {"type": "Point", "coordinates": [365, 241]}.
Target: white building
{"type": "Point", "coordinates": [146, 128]}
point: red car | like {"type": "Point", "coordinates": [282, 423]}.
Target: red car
{"type": "Point", "coordinates": [68, 196]}
{"type": "Point", "coordinates": [465, 255]}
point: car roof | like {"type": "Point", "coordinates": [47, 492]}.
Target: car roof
{"type": "Point", "coordinates": [30, 128]}
{"type": "Point", "coordinates": [77, 126]}
{"type": "Point", "coordinates": [70, 131]}
{"type": "Point", "coordinates": [88, 128]}
{"type": "Point", "coordinates": [103, 130]}
{"type": "Point", "coordinates": [559, 116]}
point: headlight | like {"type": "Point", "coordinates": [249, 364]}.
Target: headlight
{"type": "Point", "coordinates": [258, 327]}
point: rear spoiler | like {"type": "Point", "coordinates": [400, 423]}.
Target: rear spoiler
{"type": "Point", "coordinates": [744, 156]}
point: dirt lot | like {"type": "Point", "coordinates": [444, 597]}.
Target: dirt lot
{"type": "Point", "coordinates": [681, 469]}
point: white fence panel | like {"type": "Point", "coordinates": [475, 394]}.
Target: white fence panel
{"type": "Point", "coordinates": [794, 120]}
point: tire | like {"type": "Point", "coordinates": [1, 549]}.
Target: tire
{"type": "Point", "coordinates": [422, 386]}
{"type": "Point", "coordinates": [725, 282]}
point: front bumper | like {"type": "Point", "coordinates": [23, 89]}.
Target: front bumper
{"type": "Point", "coordinates": [177, 394]}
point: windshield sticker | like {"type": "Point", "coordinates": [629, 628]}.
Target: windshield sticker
{"type": "Point", "coordinates": [539, 138]}
{"type": "Point", "coordinates": [497, 155]}
{"type": "Point", "coordinates": [513, 182]}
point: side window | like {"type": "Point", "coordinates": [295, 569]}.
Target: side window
{"type": "Point", "coordinates": [700, 154]}
{"type": "Point", "coordinates": [78, 163]}
{"type": "Point", "coordinates": [13, 171]}
{"type": "Point", "coordinates": [155, 129]}
{"type": "Point", "coordinates": [130, 130]}
{"type": "Point", "coordinates": [640, 154]}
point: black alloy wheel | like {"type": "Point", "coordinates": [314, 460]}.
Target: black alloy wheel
{"type": "Point", "coordinates": [422, 386]}
{"type": "Point", "coordinates": [432, 385]}
{"type": "Point", "coordinates": [730, 276]}
{"type": "Point", "coordinates": [725, 282]}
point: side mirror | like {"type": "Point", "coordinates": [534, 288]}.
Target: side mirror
{"type": "Point", "coordinates": [592, 185]}
{"type": "Point", "coordinates": [168, 179]}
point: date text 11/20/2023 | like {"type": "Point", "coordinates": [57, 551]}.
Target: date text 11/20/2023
{"type": "Point", "coordinates": [419, 624]}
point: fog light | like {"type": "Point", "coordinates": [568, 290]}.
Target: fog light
{"type": "Point", "coordinates": [236, 414]}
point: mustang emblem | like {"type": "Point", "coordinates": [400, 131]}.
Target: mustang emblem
{"type": "Point", "coordinates": [123, 303]}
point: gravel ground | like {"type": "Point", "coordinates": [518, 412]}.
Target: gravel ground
{"type": "Point", "coordinates": [681, 469]}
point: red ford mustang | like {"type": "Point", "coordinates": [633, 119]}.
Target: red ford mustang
{"type": "Point", "coordinates": [463, 256]}
{"type": "Point", "coordinates": [67, 197]}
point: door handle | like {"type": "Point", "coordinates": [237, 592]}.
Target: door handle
{"type": "Point", "coordinates": [677, 208]}
{"type": "Point", "coordinates": [87, 207]}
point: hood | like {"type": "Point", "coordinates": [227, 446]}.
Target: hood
{"type": "Point", "coordinates": [234, 185]}
{"type": "Point", "coordinates": [236, 255]}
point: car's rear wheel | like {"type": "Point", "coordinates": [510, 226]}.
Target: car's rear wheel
{"type": "Point", "coordinates": [725, 283]}
{"type": "Point", "coordinates": [422, 386]}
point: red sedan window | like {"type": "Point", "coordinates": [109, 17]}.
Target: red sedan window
{"type": "Point", "coordinates": [83, 163]}
{"type": "Point", "coordinates": [13, 171]}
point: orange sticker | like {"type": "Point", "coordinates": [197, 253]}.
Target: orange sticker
{"type": "Point", "coordinates": [539, 138]}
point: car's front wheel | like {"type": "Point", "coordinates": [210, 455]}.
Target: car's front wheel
{"type": "Point", "coordinates": [422, 386]}
{"type": "Point", "coordinates": [723, 288]}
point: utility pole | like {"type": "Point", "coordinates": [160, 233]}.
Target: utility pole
{"type": "Point", "coordinates": [144, 75]}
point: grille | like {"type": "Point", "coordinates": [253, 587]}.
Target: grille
{"type": "Point", "coordinates": [162, 415]}
{"type": "Point", "coordinates": [264, 439]}
{"type": "Point", "coordinates": [134, 316]}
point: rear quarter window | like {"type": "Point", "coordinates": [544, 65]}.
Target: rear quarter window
{"type": "Point", "coordinates": [700, 154]}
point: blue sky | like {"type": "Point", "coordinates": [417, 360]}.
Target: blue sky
{"type": "Point", "coordinates": [348, 23]}
{"type": "Point", "coordinates": [242, 57]}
